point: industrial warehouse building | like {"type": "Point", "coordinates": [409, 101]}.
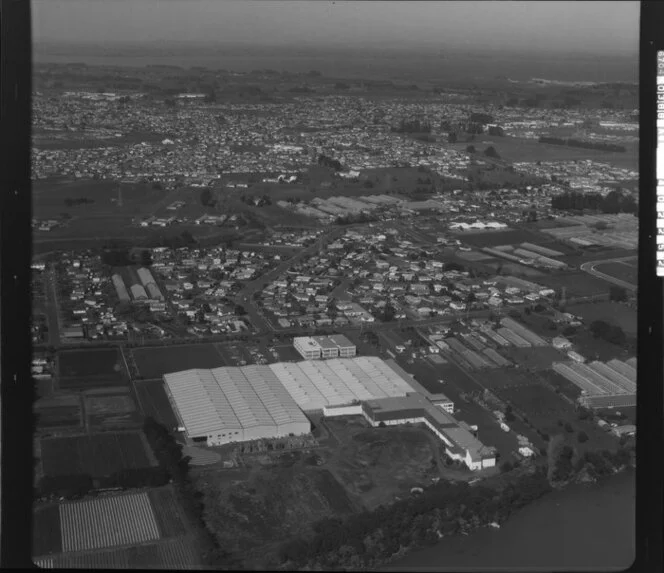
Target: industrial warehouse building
{"type": "Point", "coordinates": [226, 405]}
{"type": "Point", "coordinates": [232, 404]}
{"type": "Point", "coordinates": [328, 384]}
{"type": "Point", "coordinates": [460, 443]}
{"type": "Point", "coordinates": [610, 385]}
{"type": "Point", "coordinates": [315, 347]}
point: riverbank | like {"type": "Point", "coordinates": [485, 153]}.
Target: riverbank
{"type": "Point", "coordinates": [579, 527]}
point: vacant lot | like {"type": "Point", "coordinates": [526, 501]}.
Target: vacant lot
{"type": "Point", "coordinates": [112, 411]}
{"type": "Point", "coordinates": [58, 412]}
{"type": "Point", "coordinates": [46, 533]}
{"type": "Point", "coordinates": [155, 362]}
{"type": "Point", "coordinates": [154, 402]}
{"type": "Point", "coordinates": [271, 505]}
{"type": "Point", "coordinates": [98, 455]}
{"type": "Point", "coordinates": [80, 369]}
{"type": "Point", "coordinates": [375, 464]}
{"type": "Point", "coordinates": [611, 312]}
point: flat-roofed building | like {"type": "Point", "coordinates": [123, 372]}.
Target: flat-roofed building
{"type": "Point", "coordinates": [460, 444]}
{"type": "Point", "coordinates": [334, 346]}
{"type": "Point", "coordinates": [232, 404]}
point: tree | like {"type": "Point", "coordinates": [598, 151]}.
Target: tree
{"type": "Point", "coordinates": [617, 294]}
{"type": "Point", "coordinates": [146, 258]}
{"type": "Point", "coordinates": [206, 198]}
{"type": "Point", "coordinates": [491, 152]}
{"type": "Point", "coordinates": [451, 137]}
{"type": "Point", "coordinates": [568, 428]}
{"type": "Point", "coordinates": [582, 437]}
{"type": "Point", "coordinates": [240, 310]}
{"type": "Point", "coordinates": [471, 149]}
{"type": "Point", "coordinates": [506, 467]}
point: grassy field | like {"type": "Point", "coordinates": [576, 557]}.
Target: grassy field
{"type": "Point", "coordinates": [154, 402]}
{"type": "Point", "coordinates": [112, 411]}
{"type": "Point", "coordinates": [155, 362]}
{"type": "Point", "coordinates": [515, 149]}
{"type": "Point", "coordinates": [538, 358]}
{"type": "Point", "coordinates": [493, 238]}
{"type": "Point", "coordinates": [625, 271]}
{"type": "Point", "coordinates": [79, 369]}
{"type": "Point", "coordinates": [578, 283]}
{"type": "Point", "coordinates": [611, 312]}
{"type": "Point", "coordinates": [97, 455]}
{"type": "Point", "coordinates": [46, 533]}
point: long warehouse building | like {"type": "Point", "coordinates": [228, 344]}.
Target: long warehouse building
{"type": "Point", "coordinates": [148, 282]}
{"type": "Point", "coordinates": [120, 288]}
{"type": "Point", "coordinates": [231, 404]}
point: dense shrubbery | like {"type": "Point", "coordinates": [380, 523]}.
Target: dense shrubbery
{"type": "Point", "coordinates": [370, 538]}
{"type": "Point", "coordinates": [597, 145]}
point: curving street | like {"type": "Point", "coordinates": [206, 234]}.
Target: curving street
{"type": "Point", "coordinates": [589, 267]}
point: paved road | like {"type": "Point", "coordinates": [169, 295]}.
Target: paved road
{"type": "Point", "coordinates": [589, 267]}
{"type": "Point", "coordinates": [52, 308]}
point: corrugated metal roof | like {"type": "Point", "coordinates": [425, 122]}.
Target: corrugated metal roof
{"type": "Point", "coordinates": [231, 398]}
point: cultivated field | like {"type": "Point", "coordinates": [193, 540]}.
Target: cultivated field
{"type": "Point", "coordinates": [107, 522]}
{"type": "Point", "coordinates": [58, 412]}
{"type": "Point", "coordinates": [97, 455]}
{"type": "Point", "coordinates": [154, 402]}
{"type": "Point", "coordinates": [611, 312]}
{"type": "Point", "coordinates": [81, 369]}
{"type": "Point", "coordinates": [170, 521]}
{"type": "Point", "coordinates": [155, 362]}
{"type": "Point", "coordinates": [111, 411]}
{"type": "Point", "coordinates": [173, 554]}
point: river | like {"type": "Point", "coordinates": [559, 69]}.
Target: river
{"type": "Point", "coordinates": [580, 528]}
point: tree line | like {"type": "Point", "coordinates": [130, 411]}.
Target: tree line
{"type": "Point", "coordinates": [614, 202]}
{"type": "Point", "coordinates": [583, 144]}
{"type": "Point", "coordinates": [412, 126]}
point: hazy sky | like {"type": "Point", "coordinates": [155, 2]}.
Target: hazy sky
{"type": "Point", "coordinates": [570, 26]}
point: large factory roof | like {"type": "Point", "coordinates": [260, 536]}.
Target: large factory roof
{"type": "Point", "coordinates": [231, 398]}
{"type": "Point", "coordinates": [316, 384]}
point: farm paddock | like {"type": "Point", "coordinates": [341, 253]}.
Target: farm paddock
{"type": "Point", "coordinates": [96, 455]}
{"type": "Point", "coordinates": [157, 361]}
{"type": "Point", "coordinates": [82, 369]}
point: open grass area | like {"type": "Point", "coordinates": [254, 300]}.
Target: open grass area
{"type": "Point", "coordinates": [577, 283]}
{"type": "Point", "coordinates": [157, 361]}
{"type": "Point", "coordinates": [492, 238]}
{"type": "Point", "coordinates": [625, 270]}
{"type": "Point", "coordinates": [154, 402]}
{"type": "Point", "coordinates": [516, 149]}
{"type": "Point", "coordinates": [537, 358]}
{"type": "Point", "coordinates": [96, 455]}
{"type": "Point", "coordinates": [612, 312]}
{"type": "Point", "coordinates": [81, 369]}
